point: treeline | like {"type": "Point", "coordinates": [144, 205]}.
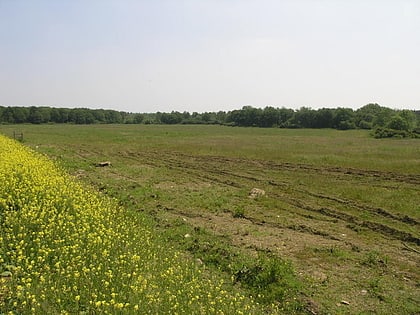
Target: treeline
{"type": "Point", "coordinates": [371, 116]}
{"type": "Point", "coordinates": [384, 121]}
{"type": "Point", "coordinates": [43, 115]}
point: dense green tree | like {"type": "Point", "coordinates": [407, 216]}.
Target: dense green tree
{"type": "Point", "coordinates": [398, 123]}
{"type": "Point", "coordinates": [206, 117]}
{"type": "Point", "coordinates": [138, 118]}
{"type": "Point", "coordinates": [324, 118]}
{"type": "Point", "coordinates": [8, 116]}
{"type": "Point", "coordinates": [372, 115]}
{"type": "Point", "coordinates": [343, 119]}
{"type": "Point", "coordinates": [39, 115]}
{"type": "Point", "coordinates": [410, 117]}
{"type": "Point", "coordinates": [269, 117]}
{"type": "Point", "coordinates": [99, 115]}
{"type": "Point", "coordinates": [364, 116]}
{"type": "Point", "coordinates": [417, 114]}
{"type": "Point", "coordinates": [221, 117]}
{"type": "Point", "coordinates": [171, 118]}
{"type": "Point", "coordinates": [63, 115]}
{"type": "Point", "coordinates": [14, 115]}
{"type": "Point", "coordinates": [247, 116]}
{"type": "Point", "coordinates": [55, 115]}
{"type": "Point", "coordinates": [382, 117]}
{"type": "Point", "coordinates": [20, 114]}
{"type": "Point", "coordinates": [285, 115]}
{"type": "Point", "coordinates": [304, 118]}
{"type": "Point", "coordinates": [186, 115]}
{"type": "Point", "coordinates": [113, 117]}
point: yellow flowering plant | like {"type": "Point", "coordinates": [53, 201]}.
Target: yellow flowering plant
{"type": "Point", "coordinates": [66, 249]}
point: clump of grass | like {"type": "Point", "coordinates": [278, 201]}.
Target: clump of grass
{"type": "Point", "coordinates": [376, 289]}
{"type": "Point", "coordinates": [374, 258]}
{"type": "Point", "coordinates": [239, 212]}
{"type": "Point", "coordinates": [271, 280]}
{"type": "Point", "coordinates": [66, 249]}
{"type": "Point", "coordinates": [332, 251]}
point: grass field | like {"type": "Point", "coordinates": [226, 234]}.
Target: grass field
{"type": "Point", "coordinates": [340, 208]}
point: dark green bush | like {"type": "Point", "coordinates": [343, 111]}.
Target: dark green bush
{"type": "Point", "coordinates": [381, 132]}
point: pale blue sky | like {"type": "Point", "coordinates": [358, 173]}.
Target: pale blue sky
{"type": "Point", "coordinates": [209, 55]}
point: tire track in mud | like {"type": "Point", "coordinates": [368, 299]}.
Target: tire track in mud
{"type": "Point", "coordinates": [364, 207]}
{"type": "Point", "coordinates": [379, 211]}
{"type": "Point", "coordinates": [374, 226]}
{"type": "Point", "coordinates": [342, 171]}
{"type": "Point", "coordinates": [375, 210]}
{"type": "Point", "coordinates": [216, 169]}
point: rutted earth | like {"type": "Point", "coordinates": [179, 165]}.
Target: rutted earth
{"type": "Point", "coordinates": [224, 171]}
{"type": "Point", "coordinates": [338, 244]}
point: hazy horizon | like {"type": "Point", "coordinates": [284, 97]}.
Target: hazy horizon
{"type": "Point", "coordinates": [201, 111]}
{"type": "Point", "coordinates": [196, 56]}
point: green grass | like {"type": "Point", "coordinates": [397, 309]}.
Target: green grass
{"type": "Point", "coordinates": [339, 204]}
{"type": "Point", "coordinates": [65, 249]}
{"type": "Point", "coordinates": [354, 148]}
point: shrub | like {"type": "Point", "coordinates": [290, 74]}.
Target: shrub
{"type": "Point", "coordinates": [392, 133]}
{"type": "Point", "coordinates": [271, 278]}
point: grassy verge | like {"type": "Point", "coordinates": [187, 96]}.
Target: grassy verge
{"type": "Point", "coordinates": [64, 249]}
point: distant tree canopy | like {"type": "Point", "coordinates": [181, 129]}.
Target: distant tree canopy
{"type": "Point", "coordinates": [43, 115]}
{"type": "Point", "coordinates": [384, 121]}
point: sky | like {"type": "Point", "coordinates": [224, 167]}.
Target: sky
{"type": "Point", "coordinates": [209, 55]}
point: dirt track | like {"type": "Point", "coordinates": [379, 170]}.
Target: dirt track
{"type": "Point", "coordinates": [328, 236]}
{"type": "Point", "coordinates": [244, 174]}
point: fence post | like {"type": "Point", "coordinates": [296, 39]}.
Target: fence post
{"type": "Point", "coordinates": [18, 136]}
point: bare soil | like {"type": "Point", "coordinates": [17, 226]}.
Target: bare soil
{"type": "Point", "coordinates": [345, 249]}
